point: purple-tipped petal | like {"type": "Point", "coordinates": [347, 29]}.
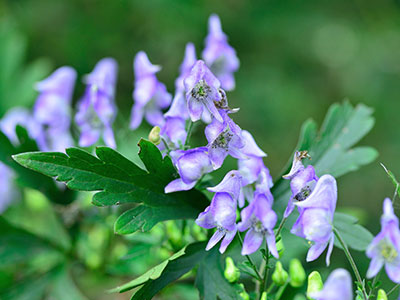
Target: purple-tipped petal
{"type": "Point", "coordinates": [252, 242]}
{"type": "Point", "coordinates": [217, 236]}
{"type": "Point", "coordinates": [315, 251]}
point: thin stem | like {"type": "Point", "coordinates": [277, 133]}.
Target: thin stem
{"type": "Point", "coordinates": [189, 133]}
{"type": "Point", "coordinates": [263, 285]}
{"type": "Point", "coordinates": [270, 288]}
{"type": "Point", "coordinates": [351, 261]}
{"type": "Point", "coordinates": [250, 260]}
{"type": "Point", "coordinates": [373, 284]}
{"type": "Point", "coordinates": [393, 289]}
{"type": "Point", "coordinates": [281, 290]}
{"type": "Point", "coordinates": [166, 145]}
{"type": "Point", "coordinates": [283, 221]}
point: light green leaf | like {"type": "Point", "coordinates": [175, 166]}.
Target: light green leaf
{"type": "Point", "coordinates": [331, 147]}
{"type": "Point", "coordinates": [151, 274]}
{"type": "Point", "coordinates": [355, 236]}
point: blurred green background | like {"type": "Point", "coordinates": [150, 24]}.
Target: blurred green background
{"type": "Point", "coordinates": [297, 58]}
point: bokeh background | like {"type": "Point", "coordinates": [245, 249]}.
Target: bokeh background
{"type": "Point", "coordinates": [297, 58]}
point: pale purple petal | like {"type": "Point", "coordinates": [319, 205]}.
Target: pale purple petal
{"type": "Point", "coordinates": [252, 242]}
{"type": "Point", "coordinates": [272, 245]}
{"type": "Point", "coordinates": [374, 267]}
{"type": "Point", "coordinates": [250, 146]}
{"type": "Point", "coordinates": [217, 236]}
{"type": "Point", "coordinates": [178, 185]}
{"type": "Point", "coordinates": [229, 236]}
{"type": "Point", "coordinates": [231, 184]}
{"type": "Point", "coordinates": [315, 251]}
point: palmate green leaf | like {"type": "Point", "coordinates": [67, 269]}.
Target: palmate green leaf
{"type": "Point", "coordinates": [355, 236]}
{"type": "Point", "coordinates": [27, 177]}
{"type": "Point", "coordinates": [117, 180]}
{"type": "Point", "coordinates": [331, 147]}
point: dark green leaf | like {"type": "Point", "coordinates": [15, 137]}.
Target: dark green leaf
{"type": "Point", "coordinates": [118, 180]}
{"type": "Point", "coordinates": [355, 236]}
{"type": "Point", "coordinates": [157, 278]}
{"type": "Point", "coordinates": [210, 279]}
{"type": "Point", "coordinates": [27, 177]}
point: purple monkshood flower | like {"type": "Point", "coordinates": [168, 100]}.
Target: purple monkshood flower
{"type": "Point", "coordinates": [220, 214]}
{"type": "Point", "coordinates": [179, 107]}
{"type": "Point", "coordinates": [224, 138]}
{"type": "Point", "coordinates": [202, 90]}
{"type": "Point", "coordinates": [337, 286]}
{"type": "Point", "coordinates": [97, 109]}
{"type": "Point", "coordinates": [173, 133]}
{"type": "Point", "coordinates": [385, 247]}
{"type": "Point", "coordinates": [192, 164]}
{"type": "Point", "coordinates": [20, 116]}
{"type": "Point", "coordinates": [219, 55]}
{"type": "Point", "coordinates": [150, 96]}
{"type": "Point", "coordinates": [260, 219]}
{"type": "Point", "coordinates": [53, 109]}
{"type": "Point", "coordinates": [302, 180]}
{"type": "Point", "coordinates": [231, 184]}
{"type": "Point", "coordinates": [7, 188]}
{"type": "Point", "coordinates": [316, 217]}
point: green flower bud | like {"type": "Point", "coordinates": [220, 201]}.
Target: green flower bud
{"type": "Point", "coordinates": [315, 283]}
{"type": "Point", "coordinates": [243, 294]}
{"type": "Point", "coordinates": [382, 295]}
{"type": "Point", "coordinates": [154, 135]}
{"type": "Point", "coordinates": [231, 273]}
{"type": "Point", "coordinates": [280, 247]}
{"type": "Point", "coordinates": [280, 276]}
{"type": "Point", "coordinates": [297, 273]}
{"type": "Point", "coordinates": [264, 296]}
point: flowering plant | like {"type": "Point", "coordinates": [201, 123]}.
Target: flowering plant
{"type": "Point", "coordinates": [244, 218]}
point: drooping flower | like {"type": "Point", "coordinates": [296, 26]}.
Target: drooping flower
{"type": "Point", "coordinates": [7, 189]}
{"type": "Point", "coordinates": [150, 95]}
{"type": "Point", "coordinates": [260, 219]}
{"type": "Point", "coordinates": [20, 116]}
{"type": "Point", "coordinates": [202, 90]}
{"type": "Point", "coordinates": [337, 286]}
{"type": "Point", "coordinates": [53, 109]}
{"type": "Point", "coordinates": [224, 138]}
{"type": "Point", "coordinates": [384, 249]}
{"type": "Point", "coordinates": [219, 55]}
{"type": "Point", "coordinates": [192, 164]}
{"type": "Point", "coordinates": [173, 133]}
{"type": "Point", "coordinates": [220, 214]}
{"type": "Point", "coordinates": [316, 217]}
{"type": "Point", "coordinates": [97, 109]}
{"type": "Point", "coordinates": [231, 184]}
{"type": "Point", "coordinates": [302, 180]}
{"type": "Point", "coordinates": [179, 106]}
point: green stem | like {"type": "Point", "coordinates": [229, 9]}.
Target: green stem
{"type": "Point", "coordinates": [281, 290]}
{"type": "Point", "coordinates": [393, 289]}
{"type": "Point", "coordinates": [373, 284]}
{"type": "Point", "coordinates": [189, 133]}
{"type": "Point", "coordinates": [270, 288]}
{"type": "Point", "coordinates": [351, 261]}
{"type": "Point", "coordinates": [283, 221]}
{"type": "Point", "coordinates": [250, 260]}
{"type": "Point", "coordinates": [263, 286]}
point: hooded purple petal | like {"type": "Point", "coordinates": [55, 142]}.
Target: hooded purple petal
{"type": "Point", "coordinates": [97, 109]}
{"type": "Point", "coordinates": [232, 184]}
{"type": "Point", "coordinates": [150, 96]}
{"type": "Point", "coordinates": [219, 55]}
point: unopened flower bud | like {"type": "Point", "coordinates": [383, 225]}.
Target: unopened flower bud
{"type": "Point", "coordinates": [297, 273]}
{"type": "Point", "coordinates": [315, 283]}
{"type": "Point", "coordinates": [243, 294]}
{"type": "Point", "coordinates": [381, 295]}
{"type": "Point", "coordinates": [231, 272]}
{"type": "Point", "coordinates": [279, 276]}
{"type": "Point", "coordinates": [154, 135]}
{"type": "Point", "coordinates": [264, 296]}
{"type": "Point", "coordinates": [280, 247]}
